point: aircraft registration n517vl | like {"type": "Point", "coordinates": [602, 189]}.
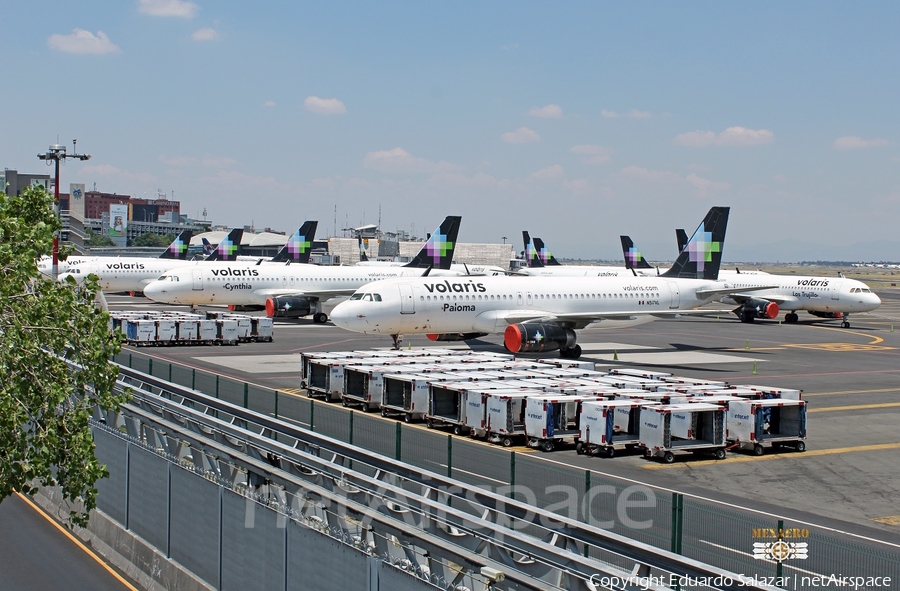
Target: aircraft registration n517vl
{"type": "Point", "coordinates": [538, 313]}
{"type": "Point", "coordinates": [293, 291]}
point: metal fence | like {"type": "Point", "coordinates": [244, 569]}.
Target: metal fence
{"type": "Point", "coordinates": [734, 539]}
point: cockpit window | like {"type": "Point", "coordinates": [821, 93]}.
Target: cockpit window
{"type": "Point", "coordinates": [377, 297]}
{"type": "Point", "coordinates": [356, 296]}
{"type": "Point", "coordinates": [367, 297]}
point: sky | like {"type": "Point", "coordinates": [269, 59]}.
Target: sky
{"type": "Point", "coordinates": [576, 121]}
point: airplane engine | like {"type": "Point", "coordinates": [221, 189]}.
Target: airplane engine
{"type": "Point", "coordinates": [465, 336]}
{"type": "Point", "coordinates": [288, 307]}
{"type": "Point", "coordinates": [537, 338]}
{"type": "Point", "coordinates": [827, 314]}
{"type": "Point", "coordinates": [240, 308]}
{"type": "Point", "coordinates": [757, 308]}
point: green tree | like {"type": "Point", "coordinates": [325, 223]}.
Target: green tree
{"type": "Point", "coordinates": [45, 436]}
{"type": "Point", "coordinates": [154, 240]}
{"type": "Point", "coordinates": [93, 240]}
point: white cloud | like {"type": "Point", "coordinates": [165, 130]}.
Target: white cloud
{"type": "Point", "coordinates": [706, 185]}
{"type": "Point", "coordinates": [849, 142]}
{"type": "Point", "coordinates": [331, 106]}
{"type": "Point", "coordinates": [84, 42]}
{"type": "Point", "coordinates": [269, 104]}
{"type": "Point", "coordinates": [400, 161]}
{"type": "Point", "coordinates": [643, 174]}
{"type": "Point", "coordinates": [593, 154]}
{"type": "Point", "coordinates": [523, 135]}
{"type": "Point", "coordinates": [205, 34]}
{"type": "Point", "coordinates": [458, 179]}
{"type": "Point", "coordinates": [178, 8]}
{"type": "Point", "coordinates": [660, 177]}
{"type": "Point", "coordinates": [548, 174]}
{"type": "Point", "coordinates": [733, 136]}
{"type": "Point", "coordinates": [632, 114]}
{"type": "Point", "coordinates": [547, 111]}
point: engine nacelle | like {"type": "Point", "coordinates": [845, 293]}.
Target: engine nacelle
{"type": "Point", "coordinates": [827, 314]}
{"type": "Point", "coordinates": [757, 308]}
{"type": "Point", "coordinates": [240, 308]}
{"type": "Point", "coordinates": [537, 338]}
{"type": "Point", "coordinates": [288, 307]}
{"type": "Point", "coordinates": [457, 336]}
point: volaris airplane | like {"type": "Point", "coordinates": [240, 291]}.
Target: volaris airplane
{"type": "Point", "coordinates": [538, 314]}
{"type": "Point", "coordinates": [293, 291]}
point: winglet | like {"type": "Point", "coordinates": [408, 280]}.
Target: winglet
{"type": "Point", "coordinates": [702, 254]}
{"type": "Point", "coordinates": [438, 250]}
{"type": "Point", "coordinates": [228, 248]}
{"type": "Point", "coordinates": [179, 247]}
{"type": "Point", "coordinates": [633, 257]}
{"type": "Point", "coordinates": [681, 238]}
{"type": "Point", "coordinates": [298, 246]}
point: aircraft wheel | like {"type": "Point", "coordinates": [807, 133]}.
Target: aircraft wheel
{"type": "Point", "coordinates": [320, 317]}
{"type": "Point", "coordinates": [720, 454]}
{"type": "Point", "coordinates": [548, 445]}
{"type": "Point", "coordinates": [668, 457]}
{"type": "Point", "coordinates": [758, 450]}
{"type": "Point", "coordinates": [575, 352]}
{"type": "Point", "coordinates": [845, 324]}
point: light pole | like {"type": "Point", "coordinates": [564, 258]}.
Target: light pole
{"type": "Point", "coordinates": [55, 153]}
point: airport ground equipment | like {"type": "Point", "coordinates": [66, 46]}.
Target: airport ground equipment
{"type": "Point", "coordinates": [755, 424]}
{"type": "Point", "coordinates": [406, 394]}
{"type": "Point", "coordinates": [155, 328]}
{"type": "Point", "coordinates": [606, 425]}
{"type": "Point", "coordinates": [640, 373]}
{"type": "Point", "coordinates": [438, 530]}
{"type": "Point", "coordinates": [448, 403]}
{"type": "Point", "coordinates": [769, 392]}
{"type": "Point", "coordinates": [696, 427]}
{"type": "Point", "coordinates": [552, 420]}
{"type": "Point", "coordinates": [506, 415]}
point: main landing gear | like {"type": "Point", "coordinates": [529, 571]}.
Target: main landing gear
{"type": "Point", "coordinates": [571, 353]}
{"type": "Point", "coordinates": [320, 317]}
{"type": "Point", "coordinates": [791, 317]}
{"type": "Point", "coordinates": [397, 340]}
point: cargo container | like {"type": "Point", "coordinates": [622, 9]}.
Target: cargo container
{"type": "Point", "coordinates": [166, 333]}
{"type": "Point", "coordinates": [226, 332]}
{"type": "Point", "coordinates": [697, 427]}
{"type": "Point", "coordinates": [206, 331]}
{"type": "Point", "coordinates": [262, 329]}
{"type": "Point", "coordinates": [407, 394]}
{"type": "Point", "coordinates": [608, 424]}
{"type": "Point", "coordinates": [186, 331]}
{"type": "Point", "coordinates": [693, 381]}
{"type": "Point", "coordinates": [754, 424]}
{"type": "Point", "coordinates": [786, 393]}
{"type": "Point", "coordinates": [506, 415]}
{"type": "Point", "coordinates": [140, 332]}
{"type": "Point", "coordinates": [639, 373]}
{"type": "Point", "coordinates": [552, 420]}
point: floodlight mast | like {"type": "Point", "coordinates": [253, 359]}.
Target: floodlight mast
{"type": "Point", "coordinates": [57, 153]}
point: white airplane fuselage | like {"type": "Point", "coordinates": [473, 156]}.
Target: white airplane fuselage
{"type": "Point", "coordinates": [121, 273]}
{"type": "Point", "coordinates": [222, 283]}
{"type": "Point", "coordinates": [490, 304]}
{"type": "Point", "coordinates": [815, 294]}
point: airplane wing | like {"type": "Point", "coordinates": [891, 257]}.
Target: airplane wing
{"type": "Point", "coordinates": [740, 298]}
{"type": "Point", "coordinates": [582, 319]}
{"type": "Point", "coordinates": [731, 291]}
{"type": "Point", "coordinates": [322, 294]}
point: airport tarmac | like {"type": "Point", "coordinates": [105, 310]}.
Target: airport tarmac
{"type": "Point", "coordinates": [847, 479]}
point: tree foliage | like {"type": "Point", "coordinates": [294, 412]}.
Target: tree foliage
{"type": "Point", "coordinates": [45, 436]}
{"type": "Point", "coordinates": [154, 240]}
{"type": "Point", "coordinates": [94, 240]}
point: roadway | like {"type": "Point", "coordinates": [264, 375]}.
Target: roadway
{"type": "Point", "coordinates": [39, 555]}
{"type": "Point", "coordinates": [850, 377]}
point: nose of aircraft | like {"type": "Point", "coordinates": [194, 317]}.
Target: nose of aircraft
{"type": "Point", "coordinates": [155, 290]}
{"type": "Point", "coordinates": [341, 315]}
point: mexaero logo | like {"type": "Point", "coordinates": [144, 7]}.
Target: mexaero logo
{"type": "Point", "coordinates": [701, 247]}
{"type": "Point", "coordinates": [456, 287]}
{"type": "Point", "coordinates": [229, 272]}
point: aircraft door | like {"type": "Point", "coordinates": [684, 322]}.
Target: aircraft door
{"type": "Point", "coordinates": [197, 275]}
{"type": "Point", "coordinates": [835, 288]}
{"type": "Point", "coordinates": [674, 296]}
{"type": "Point", "coordinates": [407, 303]}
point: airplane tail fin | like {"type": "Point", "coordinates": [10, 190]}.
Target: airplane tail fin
{"type": "Point", "coordinates": [531, 256]}
{"type": "Point", "coordinates": [298, 246]}
{"type": "Point", "coordinates": [179, 247]}
{"type": "Point", "coordinates": [438, 250]}
{"type": "Point", "coordinates": [633, 257]}
{"type": "Point", "coordinates": [363, 247]}
{"type": "Point", "coordinates": [702, 255]}
{"type": "Point", "coordinates": [207, 247]}
{"type": "Point", "coordinates": [227, 249]}
{"type": "Point", "coordinates": [681, 237]}
{"type": "Point", "coordinates": [543, 254]}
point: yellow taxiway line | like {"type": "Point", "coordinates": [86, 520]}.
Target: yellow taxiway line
{"type": "Point", "coordinates": [782, 456]}
{"type": "Point", "coordinates": [78, 543]}
{"type": "Point", "coordinates": [855, 407]}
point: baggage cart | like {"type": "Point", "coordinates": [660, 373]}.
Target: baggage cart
{"type": "Point", "coordinates": [226, 332]}
{"type": "Point", "coordinates": [609, 424]}
{"type": "Point", "coordinates": [186, 331]}
{"type": "Point", "coordinates": [778, 422]}
{"type": "Point", "coordinates": [506, 415]}
{"type": "Point", "coordinates": [206, 331]}
{"type": "Point", "coordinates": [667, 429]}
{"type": "Point", "coordinates": [407, 394]}
{"type": "Point", "coordinates": [552, 420]}
{"type": "Point", "coordinates": [262, 329]}
{"type": "Point", "coordinates": [639, 373]}
{"type": "Point", "coordinates": [770, 392]}
{"type": "Point", "coordinates": [140, 332]}
{"type": "Point", "coordinates": [166, 333]}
